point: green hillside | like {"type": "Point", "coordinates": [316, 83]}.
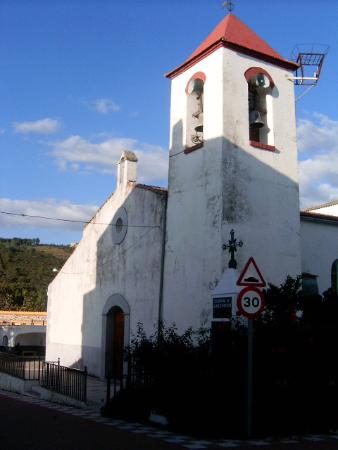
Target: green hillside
{"type": "Point", "coordinates": [26, 269]}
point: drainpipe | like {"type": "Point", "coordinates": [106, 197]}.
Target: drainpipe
{"type": "Point", "coordinates": [160, 302]}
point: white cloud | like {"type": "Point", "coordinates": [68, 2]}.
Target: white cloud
{"type": "Point", "coordinates": [103, 156]}
{"type": "Point", "coordinates": [318, 144]}
{"type": "Point", "coordinates": [318, 134]}
{"type": "Point", "coordinates": [48, 208]}
{"type": "Point", "coordinates": [42, 126]}
{"type": "Point", "coordinates": [105, 106]}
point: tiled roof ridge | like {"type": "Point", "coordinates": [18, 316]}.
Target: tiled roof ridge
{"type": "Point", "coordinates": [323, 205]}
{"type": "Point", "coordinates": [156, 189]}
{"type": "Point", "coordinates": [98, 210]}
{"type": "Point", "coordinates": [22, 313]}
{"type": "Point", "coordinates": [323, 217]}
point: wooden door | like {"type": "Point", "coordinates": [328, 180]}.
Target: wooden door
{"type": "Point", "coordinates": [118, 343]}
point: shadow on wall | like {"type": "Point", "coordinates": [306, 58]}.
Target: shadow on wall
{"type": "Point", "coordinates": [38, 339]}
{"type": "Point", "coordinates": [128, 277]}
{"type": "Point", "coordinates": [216, 188]}
{"type": "Point", "coordinates": [212, 190]}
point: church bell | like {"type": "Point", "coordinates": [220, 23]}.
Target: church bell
{"type": "Point", "coordinates": [199, 125]}
{"type": "Point", "coordinates": [255, 119]}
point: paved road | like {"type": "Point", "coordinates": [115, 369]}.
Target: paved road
{"type": "Point", "coordinates": [28, 426]}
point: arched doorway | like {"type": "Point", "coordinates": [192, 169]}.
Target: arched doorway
{"type": "Point", "coordinates": [115, 335]}
{"type": "Point", "coordinates": [115, 331]}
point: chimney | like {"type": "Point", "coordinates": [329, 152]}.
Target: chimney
{"type": "Point", "coordinates": [126, 169]}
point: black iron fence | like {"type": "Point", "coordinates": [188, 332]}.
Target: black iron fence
{"type": "Point", "coordinates": [65, 381]}
{"type": "Point", "coordinates": [24, 367]}
{"type": "Point", "coordinates": [133, 376]}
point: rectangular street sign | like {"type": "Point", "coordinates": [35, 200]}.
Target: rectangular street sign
{"type": "Point", "coordinates": [222, 307]}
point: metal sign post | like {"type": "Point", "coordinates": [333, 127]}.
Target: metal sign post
{"type": "Point", "coordinates": [250, 304]}
{"type": "Point", "coordinates": [250, 375]}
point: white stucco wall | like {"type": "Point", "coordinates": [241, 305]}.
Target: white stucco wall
{"type": "Point", "coordinates": [14, 384]}
{"type": "Point", "coordinates": [99, 269]}
{"type": "Point", "coordinates": [319, 244]}
{"type": "Point", "coordinates": [226, 185]}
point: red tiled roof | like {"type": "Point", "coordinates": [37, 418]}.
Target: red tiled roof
{"type": "Point", "coordinates": [234, 34]}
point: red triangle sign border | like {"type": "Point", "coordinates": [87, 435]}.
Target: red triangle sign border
{"type": "Point", "coordinates": [260, 283]}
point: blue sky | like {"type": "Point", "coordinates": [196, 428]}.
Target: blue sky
{"type": "Point", "coordinates": [82, 80]}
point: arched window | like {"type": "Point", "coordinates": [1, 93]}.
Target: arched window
{"type": "Point", "coordinates": [5, 341]}
{"type": "Point", "coordinates": [260, 85]}
{"type": "Point", "coordinates": [334, 277]}
{"type": "Point", "coordinates": [195, 106]}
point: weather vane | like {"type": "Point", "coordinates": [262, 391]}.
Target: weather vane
{"type": "Point", "coordinates": [232, 245]}
{"type": "Point", "coordinates": [229, 5]}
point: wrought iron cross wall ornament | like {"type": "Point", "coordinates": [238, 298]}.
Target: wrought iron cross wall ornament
{"type": "Point", "coordinates": [232, 246]}
{"type": "Point", "coordinates": [229, 5]}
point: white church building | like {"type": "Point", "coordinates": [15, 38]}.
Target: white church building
{"type": "Point", "coordinates": [151, 254]}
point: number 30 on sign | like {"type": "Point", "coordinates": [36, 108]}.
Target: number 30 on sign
{"type": "Point", "coordinates": [250, 302]}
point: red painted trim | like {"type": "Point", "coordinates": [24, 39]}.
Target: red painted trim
{"type": "Point", "coordinates": [188, 150]}
{"type": "Point", "coordinates": [253, 71]}
{"type": "Point", "coordinates": [199, 76]}
{"type": "Point", "coordinates": [240, 281]}
{"type": "Point", "coordinates": [186, 65]}
{"type": "Point", "coordinates": [288, 65]}
{"type": "Point", "coordinates": [269, 148]}
{"type": "Point", "coordinates": [196, 76]}
{"type": "Point", "coordinates": [239, 303]}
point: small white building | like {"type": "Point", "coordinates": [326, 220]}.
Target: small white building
{"type": "Point", "coordinates": [23, 328]}
{"type": "Point", "coordinates": [319, 244]}
{"type": "Point", "coordinates": [149, 254]}
{"type": "Point", "coordinates": [113, 278]}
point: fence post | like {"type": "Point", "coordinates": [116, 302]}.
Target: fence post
{"type": "Point", "coordinates": [128, 372]}
{"type": "Point", "coordinates": [58, 376]}
{"type": "Point", "coordinates": [39, 369]}
{"type": "Point", "coordinates": [108, 390]}
{"type": "Point", "coordinates": [85, 384]}
{"type": "Point", "coordinates": [48, 374]}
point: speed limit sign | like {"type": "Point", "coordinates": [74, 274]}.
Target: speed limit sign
{"type": "Point", "coordinates": [250, 302]}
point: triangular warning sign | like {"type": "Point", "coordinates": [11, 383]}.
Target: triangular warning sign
{"type": "Point", "coordinates": [251, 275]}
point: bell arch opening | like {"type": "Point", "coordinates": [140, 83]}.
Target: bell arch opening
{"type": "Point", "coordinates": [260, 85]}
{"type": "Point", "coordinates": [195, 107]}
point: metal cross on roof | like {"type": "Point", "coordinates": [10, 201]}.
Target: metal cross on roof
{"type": "Point", "coordinates": [229, 5]}
{"type": "Point", "coordinates": [232, 246]}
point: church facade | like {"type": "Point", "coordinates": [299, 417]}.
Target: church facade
{"type": "Point", "coordinates": [151, 255]}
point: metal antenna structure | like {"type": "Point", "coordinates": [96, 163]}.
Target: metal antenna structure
{"type": "Point", "coordinates": [310, 59]}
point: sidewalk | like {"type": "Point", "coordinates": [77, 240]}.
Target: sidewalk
{"type": "Point", "coordinates": [152, 436]}
{"type": "Point", "coordinates": [96, 391]}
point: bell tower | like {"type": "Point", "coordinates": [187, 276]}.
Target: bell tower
{"type": "Point", "coordinates": [233, 166]}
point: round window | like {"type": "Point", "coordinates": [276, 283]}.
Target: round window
{"type": "Point", "coordinates": [120, 225]}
